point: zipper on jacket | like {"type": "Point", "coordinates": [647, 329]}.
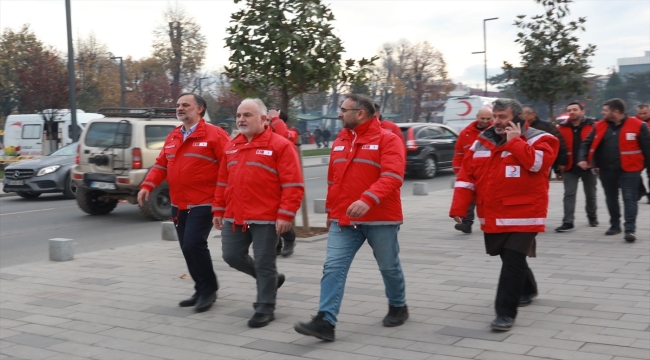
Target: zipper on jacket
{"type": "Point", "coordinates": [353, 140]}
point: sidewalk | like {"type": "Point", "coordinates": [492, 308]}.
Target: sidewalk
{"type": "Point", "coordinates": [121, 303]}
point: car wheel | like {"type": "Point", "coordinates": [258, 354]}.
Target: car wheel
{"type": "Point", "coordinates": [69, 187]}
{"type": "Point", "coordinates": [28, 194]}
{"type": "Point", "coordinates": [429, 168]}
{"type": "Point", "coordinates": [159, 206]}
{"type": "Point", "coordinates": [90, 201]}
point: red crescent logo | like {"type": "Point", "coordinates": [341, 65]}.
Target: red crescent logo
{"type": "Point", "coordinates": [19, 124]}
{"type": "Point", "coordinates": [514, 169]}
{"type": "Point", "coordinates": [469, 108]}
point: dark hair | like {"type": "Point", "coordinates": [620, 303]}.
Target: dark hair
{"type": "Point", "coordinates": [576, 103]}
{"type": "Point", "coordinates": [200, 101]}
{"type": "Point", "coordinates": [530, 108]}
{"type": "Point", "coordinates": [284, 116]}
{"type": "Point", "coordinates": [615, 104]}
{"type": "Point", "coordinates": [504, 103]}
{"type": "Point", "coordinates": [364, 102]}
{"type": "Point", "coordinates": [377, 107]}
{"type": "Point", "coordinates": [643, 106]}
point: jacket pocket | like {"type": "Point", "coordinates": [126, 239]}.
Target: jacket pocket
{"type": "Point", "coordinates": [521, 200]}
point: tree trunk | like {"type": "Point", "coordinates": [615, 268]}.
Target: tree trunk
{"type": "Point", "coordinates": [551, 113]}
{"type": "Point", "coordinates": [303, 107]}
{"type": "Point", "coordinates": [284, 100]}
{"type": "Point", "coordinates": [176, 38]}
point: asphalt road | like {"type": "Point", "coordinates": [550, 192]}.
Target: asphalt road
{"type": "Point", "coordinates": [26, 225]}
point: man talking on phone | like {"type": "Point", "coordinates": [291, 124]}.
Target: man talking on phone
{"type": "Point", "coordinates": [506, 172]}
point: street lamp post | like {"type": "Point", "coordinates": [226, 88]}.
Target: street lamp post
{"type": "Point", "coordinates": [484, 52]}
{"type": "Point", "coordinates": [72, 86]}
{"type": "Point", "coordinates": [200, 88]}
{"type": "Point", "coordinates": [122, 88]}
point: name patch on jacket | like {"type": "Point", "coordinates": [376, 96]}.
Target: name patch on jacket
{"type": "Point", "coordinates": [630, 136]}
{"type": "Point", "coordinates": [370, 147]}
{"type": "Point", "coordinates": [513, 171]}
{"type": "Point", "coordinates": [228, 152]}
{"type": "Point", "coordinates": [170, 146]}
{"type": "Point", "coordinates": [339, 148]}
{"type": "Point", "coordinates": [203, 144]}
{"type": "Point", "coordinates": [264, 152]}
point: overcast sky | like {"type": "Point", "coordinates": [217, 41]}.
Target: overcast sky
{"type": "Point", "coordinates": [618, 28]}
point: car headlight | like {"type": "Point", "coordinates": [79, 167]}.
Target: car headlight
{"type": "Point", "coordinates": [48, 170]}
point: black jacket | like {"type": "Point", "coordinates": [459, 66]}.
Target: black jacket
{"type": "Point", "coordinates": [608, 154]}
{"type": "Point", "coordinates": [562, 158]}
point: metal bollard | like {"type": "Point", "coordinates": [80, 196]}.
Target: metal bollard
{"type": "Point", "coordinates": [325, 160]}
{"type": "Point", "coordinates": [61, 249]}
{"type": "Point", "coordinates": [319, 206]}
{"type": "Point", "coordinates": [169, 231]}
{"type": "Point", "coordinates": [420, 188]}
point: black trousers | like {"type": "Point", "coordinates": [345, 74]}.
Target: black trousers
{"type": "Point", "coordinates": [628, 182]}
{"type": "Point", "coordinates": [193, 227]}
{"type": "Point", "coordinates": [516, 280]}
{"type": "Point", "coordinates": [286, 237]}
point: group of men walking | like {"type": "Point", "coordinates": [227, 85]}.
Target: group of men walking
{"type": "Point", "coordinates": [251, 187]}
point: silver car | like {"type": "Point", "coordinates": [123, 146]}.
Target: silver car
{"type": "Point", "coordinates": [47, 174]}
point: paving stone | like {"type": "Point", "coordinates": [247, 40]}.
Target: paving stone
{"type": "Point", "coordinates": [77, 349]}
{"type": "Point", "coordinates": [545, 342]}
{"type": "Point", "coordinates": [31, 340]}
{"type": "Point", "coordinates": [13, 314]}
{"type": "Point", "coordinates": [102, 266]}
{"type": "Point", "coordinates": [564, 304]}
{"type": "Point", "coordinates": [496, 355]}
{"type": "Point", "coordinates": [473, 334]}
{"type": "Point", "coordinates": [38, 329]}
{"type": "Point", "coordinates": [296, 297]}
{"type": "Point", "coordinates": [45, 320]}
{"type": "Point", "coordinates": [324, 354]}
{"type": "Point", "coordinates": [171, 311]}
{"type": "Point", "coordinates": [5, 276]}
{"type": "Point", "coordinates": [304, 280]}
{"type": "Point", "coordinates": [390, 353]}
{"type": "Point", "coordinates": [27, 352]}
{"type": "Point", "coordinates": [97, 281]}
{"type": "Point", "coordinates": [550, 353]}
{"type": "Point", "coordinates": [469, 284]}
{"type": "Point", "coordinates": [129, 334]}
{"type": "Point", "coordinates": [494, 346]}
{"type": "Point", "coordinates": [82, 326]}
{"type": "Point", "coordinates": [617, 351]}
{"type": "Point", "coordinates": [57, 304]}
{"type": "Point", "coordinates": [279, 347]}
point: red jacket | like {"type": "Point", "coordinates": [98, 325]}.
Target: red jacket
{"type": "Point", "coordinates": [190, 167]}
{"type": "Point", "coordinates": [566, 130]}
{"type": "Point", "coordinates": [280, 128]}
{"type": "Point", "coordinates": [632, 158]}
{"type": "Point", "coordinates": [466, 138]}
{"type": "Point", "coordinates": [367, 163]}
{"type": "Point", "coordinates": [392, 127]}
{"type": "Point", "coordinates": [509, 182]}
{"type": "Point", "coordinates": [260, 181]}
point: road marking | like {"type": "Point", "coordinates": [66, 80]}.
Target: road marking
{"type": "Point", "coordinates": [31, 211]}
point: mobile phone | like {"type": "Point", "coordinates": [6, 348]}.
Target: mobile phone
{"type": "Point", "coordinates": [520, 121]}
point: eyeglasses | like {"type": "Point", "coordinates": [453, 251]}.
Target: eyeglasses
{"type": "Point", "coordinates": [343, 110]}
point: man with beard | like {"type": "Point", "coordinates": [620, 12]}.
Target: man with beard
{"type": "Point", "coordinates": [643, 114]}
{"type": "Point", "coordinates": [259, 191]}
{"type": "Point", "coordinates": [619, 147]}
{"type": "Point", "coordinates": [189, 161]}
{"type": "Point", "coordinates": [506, 173]}
{"type": "Point", "coordinates": [574, 131]}
{"type": "Point", "coordinates": [466, 138]}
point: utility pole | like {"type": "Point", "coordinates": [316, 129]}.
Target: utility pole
{"type": "Point", "coordinates": [72, 86]}
{"type": "Point", "coordinates": [122, 88]}
{"type": "Point", "coordinates": [200, 88]}
{"type": "Point", "coordinates": [484, 52]}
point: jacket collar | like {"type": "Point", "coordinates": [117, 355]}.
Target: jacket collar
{"type": "Point", "coordinates": [261, 139]}
{"type": "Point", "coordinates": [365, 132]}
{"type": "Point", "coordinates": [585, 121]}
{"type": "Point", "coordinates": [198, 131]}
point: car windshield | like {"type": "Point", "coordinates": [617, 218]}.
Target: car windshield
{"type": "Point", "coordinates": [68, 150]}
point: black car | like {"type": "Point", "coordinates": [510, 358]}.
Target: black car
{"type": "Point", "coordinates": [429, 147]}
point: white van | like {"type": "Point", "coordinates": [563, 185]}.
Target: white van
{"type": "Point", "coordinates": [460, 111]}
{"type": "Point", "coordinates": [24, 133]}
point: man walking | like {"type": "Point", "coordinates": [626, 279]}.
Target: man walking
{"type": "Point", "coordinates": [259, 191]}
{"type": "Point", "coordinates": [318, 136]}
{"type": "Point", "coordinates": [506, 172]}
{"type": "Point", "coordinates": [189, 161]}
{"type": "Point", "coordinates": [530, 115]}
{"type": "Point", "coordinates": [619, 146]}
{"type": "Point", "coordinates": [326, 137]}
{"type": "Point", "coordinates": [643, 114]}
{"type": "Point", "coordinates": [365, 174]}
{"type": "Point", "coordinates": [575, 130]}
{"type": "Point", "coordinates": [466, 138]}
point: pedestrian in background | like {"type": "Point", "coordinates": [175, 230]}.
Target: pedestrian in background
{"type": "Point", "coordinates": [530, 115]}
{"type": "Point", "coordinates": [259, 191]}
{"type": "Point", "coordinates": [643, 114]}
{"type": "Point", "coordinates": [506, 173]}
{"type": "Point", "coordinates": [189, 161]}
{"type": "Point", "coordinates": [389, 125]}
{"type": "Point", "coordinates": [326, 137]}
{"type": "Point", "coordinates": [619, 146]}
{"type": "Point", "coordinates": [574, 131]}
{"type": "Point", "coordinates": [466, 139]}
{"type": "Point", "coordinates": [364, 178]}
{"type": "Point", "coordinates": [318, 136]}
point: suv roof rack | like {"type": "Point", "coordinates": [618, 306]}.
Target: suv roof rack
{"type": "Point", "coordinates": [146, 113]}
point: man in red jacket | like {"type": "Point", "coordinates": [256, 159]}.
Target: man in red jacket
{"type": "Point", "coordinates": [643, 114]}
{"type": "Point", "coordinates": [506, 172]}
{"type": "Point", "coordinates": [365, 174]}
{"type": "Point", "coordinates": [389, 125]}
{"type": "Point", "coordinates": [259, 191]}
{"type": "Point", "coordinates": [189, 161]}
{"type": "Point", "coordinates": [466, 138]}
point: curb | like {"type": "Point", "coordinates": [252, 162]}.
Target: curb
{"type": "Point", "coordinates": [7, 194]}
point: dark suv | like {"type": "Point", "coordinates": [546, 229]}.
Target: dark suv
{"type": "Point", "coordinates": [429, 147]}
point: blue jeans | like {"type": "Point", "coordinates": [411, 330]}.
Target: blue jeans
{"type": "Point", "coordinates": [343, 242]}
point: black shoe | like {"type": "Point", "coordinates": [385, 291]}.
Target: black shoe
{"type": "Point", "coordinates": [630, 237]}
{"type": "Point", "coordinates": [564, 228]}
{"type": "Point", "coordinates": [527, 300]}
{"type": "Point", "coordinates": [189, 302]}
{"type": "Point", "coordinates": [613, 231]}
{"type": "Point", "coordinates": [318, 327]}
{"type": "Point", "coordinates": [280, 280]}
{"type": "Point", "coordinates": [204, 302]}
{"type": "Point", "coordinates": [260, 320]}
{"type": "Point", "coordinates": [466, 228]}
{"type": "Point", "coordinates": [278, 249]}
{"type": "Point", "coordinates": [287, 250]}
{"type": "Point", "coordinates": [502, 323]}
{"type": "Point", "coordinates": [593, 222]}
{"type": "Point", "coordinates": [396, 316]}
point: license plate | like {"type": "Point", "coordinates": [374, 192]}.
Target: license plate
{"type": "Point", "coordinates": [102, 185]}
{"type": "Point", "coordinates": [15, 182]}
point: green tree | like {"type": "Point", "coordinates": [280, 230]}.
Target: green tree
{"type": "Point", "coordinates": [16, 50]}
{"type": "Point", "coordinates": [613, 86]}
{"type": "Point", "coordinates": [179, 46]}
{"type": "Point", "coordinates": [553, 62]}
{"type": "Point", "coordinates": [637, 87]}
